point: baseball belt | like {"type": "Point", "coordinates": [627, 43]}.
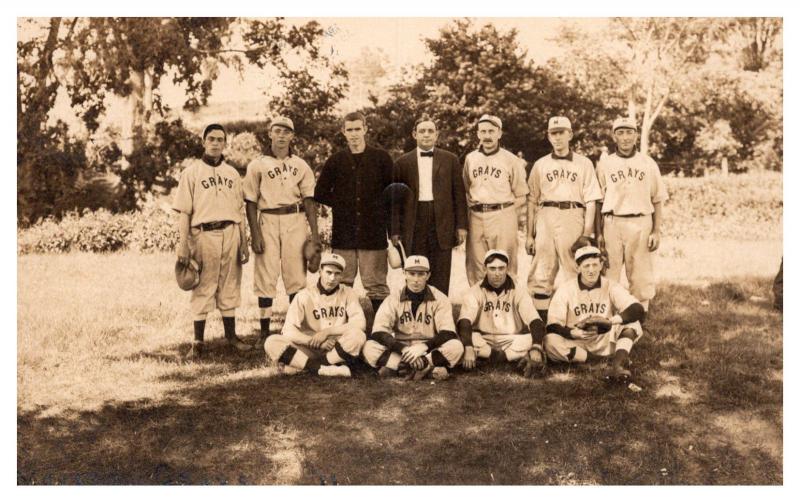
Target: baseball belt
{"type": "Point", "coordinates": [485, 208]}
{"type": "Point", "coordinates": [562, 205]}
{"type": "Point", "coordinates": [624, 215]}
{"type": "Point", "coordinates": [294, 208]}
{"type": "Point", "coordinates": [214, 225]}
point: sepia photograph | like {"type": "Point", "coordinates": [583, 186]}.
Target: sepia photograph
{"type": "Point", "coordinates": [399, 250]}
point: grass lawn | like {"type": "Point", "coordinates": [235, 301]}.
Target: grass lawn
{"type": "Point", "coordinates": [105, 398]}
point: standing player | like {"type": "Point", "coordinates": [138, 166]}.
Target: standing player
{"type": "Point", "coordinates": [582, 300]}
{"type": "Point", "coordinates": [277, 187]}
{"type": "Point", "coordinates": [435, 217]}
{"type": "Point", "coordinates": [561, 208]}
{"type": "Point", "coordinates": [631, 212]}
{"type": "Point", "coordinates": [494, 315]}
{"type": "Point", "coordinates": [211, 230]}
{"type": "Point", "coordinates": [352, 183]}
{"type": "Point", "coordinates": [495, 183]}
{"type": "Point", "coordinates": [414, 328]}
{"type": "Point", "coordinates": [324, 328]}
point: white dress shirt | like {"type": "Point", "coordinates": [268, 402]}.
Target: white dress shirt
{"type": "Point", "coordinates": [425, 171]}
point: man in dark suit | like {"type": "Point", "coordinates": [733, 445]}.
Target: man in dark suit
{"type": "Point", "coordinates": [434, 219]}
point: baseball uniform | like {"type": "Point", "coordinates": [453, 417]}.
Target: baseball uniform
{"type": "Point", "coordinates": [312, 310]}
{"type": "Point", "coordinates": [405, 318]}
{"type": "Point", "coordinates": [561, 188]}
{"type": "Point", "coordinates": [492, 183]}
{"type": "Point", "coordinates": [572, 303]}
{"type": "Point", "coordinates": [278, 187]}
{"type": "Point", "coordinates": [630, 186]}
{"type": "Point", "coordinates": [212, 197]}
{"type": "Point", "coordinates": [499, 318]}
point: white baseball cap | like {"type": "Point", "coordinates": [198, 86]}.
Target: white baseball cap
{"type": "Point", "coordinates": [332, 259]}
{"type": "Point", "coordinates": [495, 121]}
{"type": "Point", "coordinates": [417, 263]}
{"type": "Point", "coordinates": [586, 251]}
{"type": "Point", "coordinates": [282, 121]}
{"type": "Point", "coordinates": [623, 123]}
{"type": "Point", "coordinates": [558, 124]}
{"type": "Point", "coordinates": [495, 252]}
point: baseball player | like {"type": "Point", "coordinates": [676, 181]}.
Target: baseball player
{"type": "Point", "coordinates": [414, 329]}
{"type": "Point", "coordinates": [324, 328]}
{"type": "Point", "coordinates": [629, 228]}
{"type": "Point", "coordinates": [561, 208]}
{"type": "Point", "coordinates": [591, 296]}
{"type": "Point", "coordinates": [494, 179]}
{"type": "Point", "coordinates": [278, 189]}
{"type": "Point", "coordinates": [211, 230]}
{"type": "Point", "coordinates": [494, 315]}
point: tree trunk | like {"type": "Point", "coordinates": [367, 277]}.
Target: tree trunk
{"type": "Point", "coordinates": [644, 141]}
{"type": "Point", "coordinates": [724, 166]}
{"type": "Point", "coordinates": [141, 109]}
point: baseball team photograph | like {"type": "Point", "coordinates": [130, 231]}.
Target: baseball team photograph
{"type": "Point", "coordinates": [383, 251]}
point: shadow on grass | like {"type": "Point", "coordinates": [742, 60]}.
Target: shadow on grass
{"type": "Point", "coordinates": [489, 427]}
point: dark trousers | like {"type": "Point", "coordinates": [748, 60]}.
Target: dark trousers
{"type": "Point", "coordinates": [426, 243]}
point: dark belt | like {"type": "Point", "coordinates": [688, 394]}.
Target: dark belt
{"type": "Point", "coordinates": [624, 215]}
{"type": "Point", "coordinates": [214, 225]}
{"type": "Point", "coordinates": [562, 205]}
{"type": "Point", "coordinates": [296, 208]}
{"type": "Point", "coordinates": [485, 208]}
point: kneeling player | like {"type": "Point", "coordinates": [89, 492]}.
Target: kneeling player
{"type": "Point", "coordinates": [592, 298]}
{"type": "Point", "coordinates": [324, 328]}
{"type": "Point", "coordinates": [494, 313]}
{"type": "Point", "coordinates": [414, 328]}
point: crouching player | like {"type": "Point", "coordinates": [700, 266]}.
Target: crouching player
{"type": "Point", "coordinates": [324, 328]}
{"type": "Point", "coordinates": [494, 314]}
{"type": "Point", "coordinates": [414, 329]}
{"type": "Point", "coordinates": [587, 298]}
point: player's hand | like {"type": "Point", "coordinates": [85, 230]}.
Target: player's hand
{"type": "Point", "coordinates": [581, 334]}
{"type": "Point", "coordinates": [395, 240]}
{"type": "Point", "coordinates": [469, 358]}
{"type": "Point", "coordinates": [183, 254]}
{"type": "Point", "coordinates": [413, 352]}
{"type": "Point", "coordinates": [601, 242]}
{"type": "Point", "coordinates": [418, 363]}
{"type": "Point", "coordinates": [257, 241]}
{"type": "Point", "coordinates": [530, 245]}
{"type": "Point", "coordinates": [317, 340]}
{"type": "Point", "coordinates": [328, 344]}
{"type": "Point", "coordinates": [653, 241]}
{"type": "Point", "coordinates": [461, 236]}
{"type": "Point", "coordinates": [244, 254]}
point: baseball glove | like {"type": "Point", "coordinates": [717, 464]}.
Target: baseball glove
{"type": "Point", "coordinates": [187, 276]}
{"type": "Point", "coordinates": [596, 323]}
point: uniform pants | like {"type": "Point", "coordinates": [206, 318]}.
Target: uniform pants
{"type": "Point", "coordinates": [373, 267]}
{"type": "Point", "coordinates": [515, 346]}
{"type": "Point", "coordinates": [626, 242]}
{"type": "Point", "coordinates": [565, 350]}
{"type": "Point", "coordinates": [217, 253]}
{"type": "Point", "coordinates": [426, 243]}
{"type": "Point", "coordinates": [491, 230]}
{"type": "Point", "coordinates": [348, 347]}
{"type": "Point", "coordinates": [284, 236]}
{"type": "Point", "coordinates": [376, 354]}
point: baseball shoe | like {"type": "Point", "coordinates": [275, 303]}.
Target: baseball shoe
{"type": "Point", "coordinates": [237, 343]}
{"type": "Point", "coordinates": [533, 363]}
{"type": "Point", "coordinates": [440, 373]}
{"type": "Point", "coordinates": [618, 374]}
{"type": "Point", "coordinates": [333, 370]}
{"type": "Point", "coordinates": [418, 375]}
{"type": "Point", "coordinates": [387, 372]}
{"type": "Point", "coordinates": [259, 345]}
{"type": "Point", "coordinates": [196, 351]}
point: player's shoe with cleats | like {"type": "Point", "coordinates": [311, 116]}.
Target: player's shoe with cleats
{"type": "Point", "coordinates": [420, 374]}
{"type": "Point", "coordinates": [237, 343]}
{"type": "Point", "coordinates": [440, 373]}
{"type": "Point", "coordinates": [333, 370]}
{"type": "Point", "coordinates": [618, 374]}
{"type": "Point", "coordinates": [533, 363]}
{"type": "Point", "coordinates": [387, 372]}
{"type": "Point", "coordinates": [196, 351]}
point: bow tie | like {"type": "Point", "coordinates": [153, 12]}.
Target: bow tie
{"type": "Point", "coordinates": [426, 154]}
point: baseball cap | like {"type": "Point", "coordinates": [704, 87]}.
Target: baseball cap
{"type": "Point", "coordinates": [585, 252]}
{"type": "Point", "coordinates": [332, 259]}
{"type": "Point", "coordinates": [495, 121]}
{"type": "Point", "coordinates": [492, 253]}
{"type": "Point", "coordinates": [623, 123]}
{"type": "Point", "coordinates": [283, 121]}
{"type": "Point", "coordinates": [418, 264]}
{"type": "Point", "coordinates": [558, 124]}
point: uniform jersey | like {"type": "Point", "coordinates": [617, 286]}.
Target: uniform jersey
{"type": "Point", "coordinates": [395, 315]}
{"type": "Point", "coordinates": [274, 183]}
{"type": "Point", "coordinates": [494, 179]}
{"type": "Point", "coordinates": [509, 312]}
{"type": "Point", "coordinates": [573, 302]}
{"type": "Point", "coordinates": [207, 193]}
{"type": "Point", "coordinates": [630, 185]}
{"type": "Point", "coordinates": [312, 311]}
{"type": "Point", "coordinates": [568, 179]}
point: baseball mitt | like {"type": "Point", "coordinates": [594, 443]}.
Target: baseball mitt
{"type": "Point", "coordinates": [187, 276]}
{"type": "Point", "coordinates": [596, 323]}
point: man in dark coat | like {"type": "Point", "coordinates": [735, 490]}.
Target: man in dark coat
{"type": "Point", "coordinates": [434, 219]}
{"type": "Point", "coordinates": [352, 183]}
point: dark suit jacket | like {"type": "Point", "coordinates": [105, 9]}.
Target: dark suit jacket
{"type": "Point", "coordinates": [449, 197]}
